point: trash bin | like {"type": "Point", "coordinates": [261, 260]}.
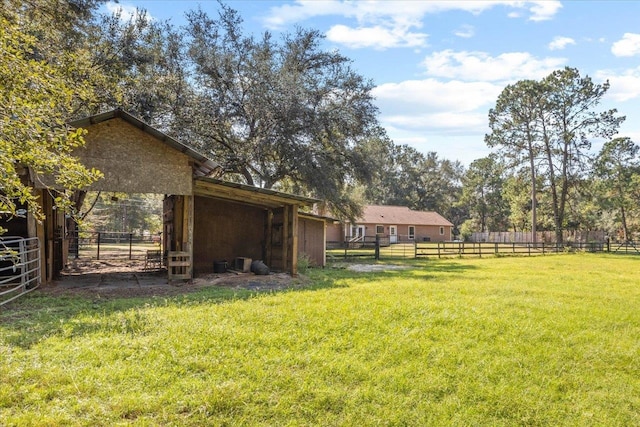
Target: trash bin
{"type": "Point", "coordinates": [220, 266]}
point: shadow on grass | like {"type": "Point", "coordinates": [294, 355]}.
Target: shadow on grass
{"type": "Point", "coordinates": [33, 318]}
{"type": "Point", "coordinates": [38, 315]}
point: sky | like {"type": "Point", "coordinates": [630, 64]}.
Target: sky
{"type": "Point", "coordinates": [439, 66]}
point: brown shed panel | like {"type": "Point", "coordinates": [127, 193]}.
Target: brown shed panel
{"type": "Point", "coordinates": [311, 240]}
{"type": "Point", "coordinates": [224, 231]}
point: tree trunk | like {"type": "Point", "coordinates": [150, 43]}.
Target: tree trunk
{"type": "Point", "coordinates": [625, 230]}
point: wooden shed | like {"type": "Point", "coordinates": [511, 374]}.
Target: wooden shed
{"type": "Point", "coordinates": [312, 235]}
{"type": "Point", "coordinates": [206, 218]}
{"type": "Point", "coordinates": [233, 220]}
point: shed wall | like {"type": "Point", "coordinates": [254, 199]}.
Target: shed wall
{"type": "Point", "coordinates": [224, 231]}
{"type": "Point", "coordinates": [311, 240]}
{"type": "Point", "coordinates": [134, 161]}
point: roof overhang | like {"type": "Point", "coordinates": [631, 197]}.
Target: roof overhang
{"type": "Point", "coordinates": [315, 217]}
{"type": "Point", "coordinates": [242, 193]}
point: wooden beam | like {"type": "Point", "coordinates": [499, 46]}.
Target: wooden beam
{"type": "Point", "coordinates": [294, 240]}
{"type": "Point", "coordinates": [268, 238]}
{"type": "Point", "coordinates": [39, 233]}
{"type": "Point", "coordinates": [226, 193]}
{"type": "Point", "coordinates": [178, 223]}
{"type": "Point", "coordinates": [285, 238]}
{"type": "Point", "coordinates": [187, 231]}
{"type": "Point", "coordinates": [324, 244]}
{"type": "Point", "coordinates": [241, 195]}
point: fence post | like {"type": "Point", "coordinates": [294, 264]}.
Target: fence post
{"type": "Point", "coordinates": [377, 251]}
{"type": "Point", "coordinates": [22, 247]}
{"type": "Point", "coordinates": [130, 244]}
{"type": "Point", "coordinates": [346, 245]}
{"type": "Point", "coordinates": [529, 247]}
{"type": "Point", "coordinates": [415, 249]}
{"type": "Point", "coordinates": [496, 248]}
{"type": "Point", "coordinates": [438, 250]}
{"type": "Point", "coordinates": [98, 256]}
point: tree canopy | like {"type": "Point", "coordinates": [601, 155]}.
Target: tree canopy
{"type": "Point", "coordinates": [290, 115]}
{"type": "Point", "coordinates": [550, 124]}
{"type": "Point", "coordinates": [36, 99]}
{"type": "Point", "coordinates": [274, 112]}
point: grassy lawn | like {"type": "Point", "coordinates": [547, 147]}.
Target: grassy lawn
{"type": "Point", "coordinates": [547, 340]}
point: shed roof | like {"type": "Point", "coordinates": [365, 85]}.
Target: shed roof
{"type": "Point", "coordinates": [211, 187]}
{"type": "Point", "coordinates": [395, 215]}
{"type": "Point", "coordinates": [203, 165]}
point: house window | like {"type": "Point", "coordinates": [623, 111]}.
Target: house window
{"type": "Point", "coordinates": [379, 229]}
{"type": "Point", "coordinates": [412, 232]}
{"type": "Point", "coordinates": [442, 231]}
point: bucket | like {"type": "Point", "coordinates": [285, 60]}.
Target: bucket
{"type": "Point", "coordinates": [220, 266]}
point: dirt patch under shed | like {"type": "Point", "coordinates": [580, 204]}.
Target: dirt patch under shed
{"type": "Point", "coordinates": [124, 279]}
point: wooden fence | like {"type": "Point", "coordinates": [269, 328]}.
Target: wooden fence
{"type": "Point", "coordinates": [541, 236]}
{"type": "Point", "coordinates": [415, 250]}
{"type": "Point", "coordinates": [112, 245]}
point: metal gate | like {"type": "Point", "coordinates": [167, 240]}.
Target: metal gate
{"type": "Point", "coordinates": [19, 267]}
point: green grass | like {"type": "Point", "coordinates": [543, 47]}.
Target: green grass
{"type": "Point", "coordinates": [548, 340]}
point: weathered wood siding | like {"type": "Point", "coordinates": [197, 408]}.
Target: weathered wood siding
{"type": "Point", "coordinates": [134, 161]}
{"type": "Point", "coordinates": [311, 240]}
{"type": "Point", "coordinates": [225, 231]}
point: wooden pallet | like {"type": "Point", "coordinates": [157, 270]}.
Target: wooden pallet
{"type": "Point", "coordinates": [179, 266]}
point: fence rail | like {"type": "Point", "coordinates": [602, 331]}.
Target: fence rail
{"type": "Point", "coordinates": [414, 249]}
{"type": "Point", "coordinates": [19, 267]}
{"type": "Point", "coordinates": [113, 245]}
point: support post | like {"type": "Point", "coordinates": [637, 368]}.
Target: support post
{"type": "Point", "coordinates": [294, 240]}
{"type": "Point", "coordinates": [268, 238]}
{"type": "Point", "coordinates": [285, 238]}
{"type": "Point", "coordinates": [187, 231]}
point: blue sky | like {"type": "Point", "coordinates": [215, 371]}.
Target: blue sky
{"type": "Point", "coordinates": [439, 66]}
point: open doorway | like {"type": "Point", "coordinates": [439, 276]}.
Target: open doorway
{"type": "Point", "coordinates": [116, 232]}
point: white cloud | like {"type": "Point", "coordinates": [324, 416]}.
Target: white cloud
{"type": "Point", "coordinates": [559, 43]}
{"type": "Point", "coordinates": [433, 96]}
{"type": "Point", "coordinates": [377, 37]}
{"type": "Point", "coordinates": [461, 123]}
{"type": "Point", "coordinates": [465, 31]}
{"type": "Point", "coordinates": [544, 10]}
{"type": "Point", "coordinates": [629, 45]}
{"type": "Point", "coordinates": [300, 10]}
{"type": "Point", "coordinates": [395, 19]}
{"type": "Point", "coordinates": [624, 86]}
{"type": "Point", "coordinates": [480, 66]}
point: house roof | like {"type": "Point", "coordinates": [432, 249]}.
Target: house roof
{"type": "Point", "coordinates": [203, 165]}
{"type": "Point", "coordinates": [396, 215]}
